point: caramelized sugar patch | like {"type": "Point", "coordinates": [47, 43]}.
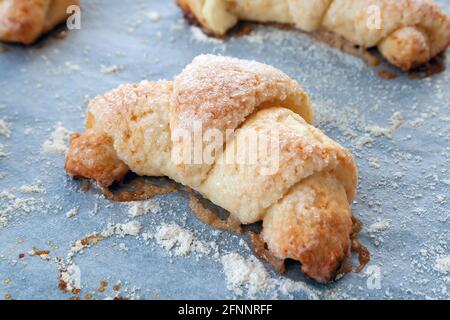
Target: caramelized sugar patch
{"type": "Point", "coordinates": [41, 252]}
{"type": "Point", "coordinates": [363, 253]}
{"type": "Point", "coordinates": [263, 252]}
{"type": "Point", "coordinates": [339, 42]}
{"type": "Point", "coordinates": [62, 284]}
{"type": "Point", "coordinates": [244, 30]}
{"type": "Point", "coordinates": [434, 66]}
{"type": "Point", "coordinates": [209, 217]}
{"type": "Point", "coordinates": [91, 240]}
{"type": "Point", "coordinates": [387, 75]}
{"type": "Point", "coordinates": [85, 185]}
{"type": "Point", "coordinates": [141, 190]}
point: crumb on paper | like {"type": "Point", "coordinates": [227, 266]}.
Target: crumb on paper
{"type": "Point", "coordinates": [396, 121]}
{"type": "Point", "coordinates": [86, 100]}
{"type": "Point", "coordinates": [248, 277]}
{"type": "Point", "coordinates": [443, 265]}
{"type": "Point", "coordinates": [28, 131]}
{"type": "Point", "coordinates": [58, 143]}
{"type": "Point", "coordinates": [441, 199]}
{"type": "Point", "coordinates": [111, 69]}
{"type": "Point", "coordinates": [179, 241]}
{"type": "Point", "coordinates": [178, 26]}
{"type": "Point", "coordinates": [72, 213]}
{"type": "Point", "coordinates": [43, 254]}
{"type": "Point", "coordinates": [379, 226]}
{"type": "Point", "coordinates": [140, 208]}
{"type": "Point", "coordinates": [71, 66]}
{"type": "Point", "coordinates": [374, 163]}
{"type": "Point", "coordinates": [420, 211]}
{"type": "Point", "coordinates": [3, 153]}
{"type": "Point", "coordinates": [5, 128]}
{"type": "Point", "coordinates": [245, 276]}
{"type": "Point", "coordinates": [69, 279]}
{"type": "Point", "coordinates": [131, 228]}
{"type": "Point", "coordinates": [37, 187]}
{"type": "Point", "coordinates": [12, 205]}
{"type": "Point", "coordinates": [66, 283]}
{"type": "Point", "coordinates": [3, 221]}
{"type": "Point", "coordinates": [153, 16]}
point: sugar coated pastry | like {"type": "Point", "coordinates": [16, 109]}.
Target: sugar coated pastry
{"type": "Point", "coordinates": [408, 33]}
{"type": "Point", "coordinates": [301, 187]}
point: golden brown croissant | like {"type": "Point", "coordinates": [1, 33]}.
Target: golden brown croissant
{"type": "Point", "coordinates": [303, 200]}
{"type": "Point", "coordinates": [408, 33]}
{"type": "Point", "coordinates": [24, 21]}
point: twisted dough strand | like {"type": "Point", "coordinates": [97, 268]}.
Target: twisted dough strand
{"type": "Point", "coordinates": [304, 203]}
{"type": "Point", "coordinates": [411, 33]}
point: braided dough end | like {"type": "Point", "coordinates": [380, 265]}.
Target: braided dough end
{"type": "Point", "coordinates": [411, 32]}
{"type": "Point", "coordinates": [406, 48]}
{"type": "Point", "coordinates": [92, 155]}
{"type": "Point", "coordinates": [312, 224]}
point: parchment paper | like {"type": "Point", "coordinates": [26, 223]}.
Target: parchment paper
{"type": "Point", "coordinates": [398, 131]}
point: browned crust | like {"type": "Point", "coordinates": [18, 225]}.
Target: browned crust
{"type": "Point", "coordinates": [24, 21]}
{"type": "Point", "coordinates": [322, 244]}
{"type": "Point", "coordinates": [92, 155]}
{"type": "Point", "coordinates": [417, 57]}
{"type": "Point", "coordinates": [192, 19]}
{"type": "Point", "coordinates": [327, 37]}
{"type": "Point", "coordinates": [189, 15]}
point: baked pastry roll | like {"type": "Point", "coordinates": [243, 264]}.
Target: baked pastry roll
{"type": "Point", "coordinates": [301, 187]}
{"type": "Point", "coordinates": [408, 33]}
{"type": "Point", "coordinates": [24, 21]}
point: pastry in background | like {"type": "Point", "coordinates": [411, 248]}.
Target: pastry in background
{"type": "Point", "coordinates": [24, 21]}
{"type": "Point", "coordinates": [408, 33]}
{"type": "Point", "coordinates": [301, 188]}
